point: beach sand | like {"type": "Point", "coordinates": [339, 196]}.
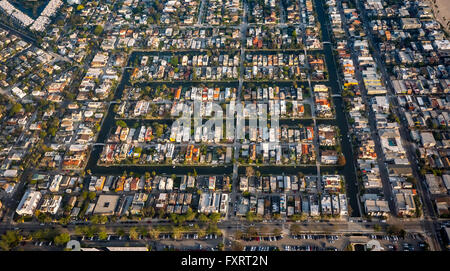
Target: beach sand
{"type": "Point", "coordinates": [441, 10]}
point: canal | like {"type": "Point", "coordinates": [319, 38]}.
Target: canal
{"type": "Point", "coordinates": [349, 169]}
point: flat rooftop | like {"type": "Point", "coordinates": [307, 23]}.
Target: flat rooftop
{"type": "Point", "coordinates": [106, 204]}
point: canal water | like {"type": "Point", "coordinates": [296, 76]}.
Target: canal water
{"type": "Point", "coordinates": [349, 169]}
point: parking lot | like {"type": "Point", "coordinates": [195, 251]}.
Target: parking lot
{"type": "Point", "coordinates": [322, 242]}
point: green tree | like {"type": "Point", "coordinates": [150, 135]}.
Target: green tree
{"type": "Point", "coordinates": [45, 234]}
{"type": "Point", "coordinates": [297, 217]}
{"type": "Point", "coordinates": [159, 130]}
{"type": "Point", "coordinates": [84, 195]}
{"type": "Point", "coordinates": [98, 30]}
{"type": "Point", "coordinates": [148, 211]}
{"type": "Point", "coordinates": [62, 239]}
{"type": "Point", "coordinates": [190, 215]}
{"type": "Point", "coordinates": [121, 123]}
{"type": "Point", "coordinates": [214, 217]}
{"type": "Point", "coordinates": [201, 233]}
{"type": "Point", "coordinates": [91, 231]}
{"type": "Point", "coordinates": [120, 232]}
{"type": "Point", "coordinates": [173, 218]}
{"type": "Point", "coordinates": [294, 34]}
{"type": "Point", "coordinates": [176, 232]}
{"type": "Point", "coordinates": [395, 229]}
{"type": "Point", "coordinates": [95, 219]}
{"type": "Point", "coordinates": [133, 233]}
{"type": "Point", "coordinates": [10, 240]}
{"type": "Point", "coordinates": [79, 230]}
{"type": "Point", "coordinates": [250, 216]}
{"type": "Point", "coordinates": [154, 233]}
{"type": "Point", "coordinates": [203, 218]}
{"type": "Point", "coordinates": [92, 195]}
{"type": "Point", "coordinates": [102, 235]}
{"type": "Point", "coordinates": [103, 219]}
{"type": "Point", "coordinates": [213, 229]}
{"type": "Point", "coordinates": [64, 220]}
{"type": "Point", "coordinates": [16, 108]}
{"type": "Point", "coordinates": [143, 231]}
{"type": "Point", "coordinates": [174, 61]}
